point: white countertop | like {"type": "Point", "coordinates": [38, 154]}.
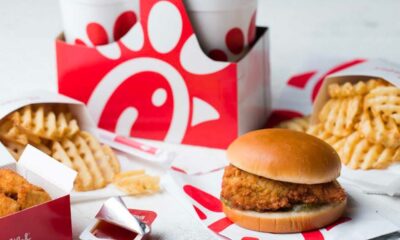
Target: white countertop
{"type": "Point", "coordinates": [299, 30]}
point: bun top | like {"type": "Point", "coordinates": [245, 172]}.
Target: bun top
{"type": "Point", "coordinates": [286, 156]}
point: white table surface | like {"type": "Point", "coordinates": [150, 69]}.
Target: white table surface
{"type": "Point", "coordinates": [299, 30]}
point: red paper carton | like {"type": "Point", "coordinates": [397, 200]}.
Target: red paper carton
{"type": "Point", "coordinates": [51, 220]}
{"type": "Point", "coordinates": [157, 83]}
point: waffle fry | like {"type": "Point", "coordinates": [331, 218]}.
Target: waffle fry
{"type": "Point", "coordinates": [104, 156]}
{"type": "Point", "coordinates": [137, 182]}
{"type": "Point", "coordinates": [9, 132]}
{"type": "Point", "coordinates": [42, 147]}
{"type": "Point", "coordinates": [349, 90]}
{"type": "Point", "coordinates": [341, 115]}
{"type": "Point", "coordinates": [14, 148]}
{"type": "Point", "coordinates": [96, 165]}
{"type": "Point", "coordinates": [396, 117]}
{"type": "Point", "coordinates": [52, 129]}
{"type": "Point", "coordinates": [384, 101]}
{"type": "Point", "coordinates": [376, 130]}
{"type": "Point", "coordinates": [299, 124]}
{"type": "Point", "coordinates": [358, 153]}
{"type": "Point", "coordinates": [67, 153]}
{"type": "Point", "coordinates": [361, 122]}
{"type": "Point", "coordinates": [319, 131]}
{"type": "Point", "coordinates": [45, 121]}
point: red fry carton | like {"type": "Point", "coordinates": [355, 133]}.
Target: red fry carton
{"type": "Point", "coordinates": [50, 220]}
{"type": "Point", "coordinates": [157, 83]}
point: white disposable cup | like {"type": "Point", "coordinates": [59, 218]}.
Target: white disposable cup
{"type": "Point", "coordinates": [79, 15]}
{"type": "Point", "coordinates": [213, 21]}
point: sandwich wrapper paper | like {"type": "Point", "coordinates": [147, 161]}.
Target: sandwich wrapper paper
{"type": "Point", "coordinates": [192, 160]}
{"type": "Point", "coordinates": [199, 194]}
{"type": "Point", "coordinates": [307, 90]}
{"type": "Point", "coordinates": [144, 155]}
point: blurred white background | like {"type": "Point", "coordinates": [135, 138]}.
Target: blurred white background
{"type": "Point", "coordinates": [300, 31]}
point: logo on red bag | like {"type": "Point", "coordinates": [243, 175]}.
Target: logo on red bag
{"type": "Point", "coordinates": [156, 82]}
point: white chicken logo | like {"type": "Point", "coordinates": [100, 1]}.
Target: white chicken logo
{"type": "Point", "coordinates": [161, 46]}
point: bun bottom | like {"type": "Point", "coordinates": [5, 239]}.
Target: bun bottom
{"type": "Point", "coordinates": [286, 222]}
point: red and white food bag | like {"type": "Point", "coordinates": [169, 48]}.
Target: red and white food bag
{"type": "Point", "coordinates": [97, 22]}
{"type": "Point", "coordinates": [225, 28]}
{"type": "Point", "coordinates": [157, 83]}
{"type": "Point", "coordinates": [307, 90]}
{"type": "Point", "coordinates": [200, 196]}
{"type": "Point", "coordinates": [51, 219]}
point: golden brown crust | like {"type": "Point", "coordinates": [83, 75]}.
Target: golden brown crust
{"type": "Point", "coordinates": [285, 222]}
{"type": "Point", "coordinates": [8, 205]}
{"type": "Point", "coordinates": [285, 155]}
{"type": "Point", "coordinates": [16, 193]}
{"type": "Point", "coordinates": [246, 191]}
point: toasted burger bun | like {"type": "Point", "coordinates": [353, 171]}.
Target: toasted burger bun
{"type": "Point", "coordinates": [285, 155]}
{"type": "Point", "coordinates": [286, 222]}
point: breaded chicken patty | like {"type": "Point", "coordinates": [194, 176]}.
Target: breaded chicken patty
{"type": "Point", "coordinates": [246, 191]}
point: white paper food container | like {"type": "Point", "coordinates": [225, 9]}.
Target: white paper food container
{"type": "Point", "coordinates": [9, 104]}
{"type": "Point", "coordinates": [386, 181]}
{"type": "Point", "coordinates": [78, 14]}
{"type": "Point", "coordinates": [79, 110]}
{"type": "Point", "coordinates": [213, 20]}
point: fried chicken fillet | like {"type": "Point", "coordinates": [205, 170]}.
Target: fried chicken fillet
{"type": "Point", "coordinates": [8, 205]}
{"type": "Point", "coordinates": [246, 191]}
{"type": "Point", "coordinates": [16, 193]}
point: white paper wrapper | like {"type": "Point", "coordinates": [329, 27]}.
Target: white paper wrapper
{"type": "Point", "coordinates": [200, 195]}
{"type": "Point", "coordinates": [192, 160]}
{"type": "Point", "coordinates": [297, 99]}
